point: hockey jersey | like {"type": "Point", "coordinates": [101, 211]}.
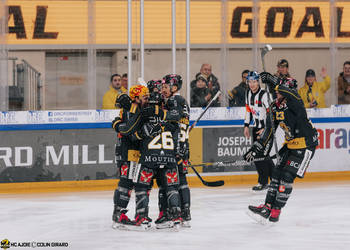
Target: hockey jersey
{"type": "Point", "coordinates": [291, 116]}
{"type": "Point", "coordinates": [256, 107]}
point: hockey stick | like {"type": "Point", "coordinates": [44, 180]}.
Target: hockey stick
{"type": "Point", "coordinates": [205, 110]}
{"type": "Point", "coordinates": [207, 183]}
{"type": "Point", "coordinates": [264, 51]}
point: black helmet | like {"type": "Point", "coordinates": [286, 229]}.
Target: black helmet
{"type": "Point", "coordinates": [173, 80]}
{"type": "Point", "coordinates": [123, 101]}
{"type": "Point", "coordinates": [152, 84]}
{"type": "Point", "coordinates": [289, 82]}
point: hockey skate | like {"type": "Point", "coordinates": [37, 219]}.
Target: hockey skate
{"type": "Point", "coordinates": [260, 214]}
{"type": "Point", "coordinates": [120, 219]}
{"type": "Point", "coordinates": [163, 221]}
{"type": "Point", "coordinates": [186, 217]}
{"type": "Point", "coordinates": [275, 214]}
{"type": "Point", "coordinates": [169, 221]}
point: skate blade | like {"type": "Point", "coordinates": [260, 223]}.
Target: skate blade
{"type": "Point", "coordinates": [165, 225]}
{"type": "Point", "coordinates": [257, 218]}
{"type": "Point", "coordinates": [170, 226]}
{"type": "Point", "coordinates": [140, 228]}
{"type": "Point", "coordinates": [186, 224]}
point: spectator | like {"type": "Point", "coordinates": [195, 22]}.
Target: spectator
{"type": "Point", "coordinates": [312, 93]}
{"type": "Point", "coordinates": [237, 94]}
{"type": "Point", "coordinates": [212, 82]}
{"type": "Point", "coordinates": [282, 69]}
{"type": "Point", "coordinates": [115, 89]}
{"type": "Point", "coordinates": [200, 93]}
{"type": "Point", "coordinates": [125, 80]}
{"type": "Point", "coordinates": [344, 84]}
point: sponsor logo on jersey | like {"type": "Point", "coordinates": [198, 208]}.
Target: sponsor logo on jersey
{"type": "Point", "coordinates": [160, 159]}
{"type": "Point", "coordinates": [293, 164]}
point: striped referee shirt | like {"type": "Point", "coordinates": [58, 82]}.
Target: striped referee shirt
{"type": "Point", "coordinates": [256, 106]}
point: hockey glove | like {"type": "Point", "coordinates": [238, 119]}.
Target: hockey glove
{"type": "Point", "coordinates": [152, 111]}
{"type": "Point", "coordinates": [266, 77]}
{"type": "Point", "coordinates": [254, 152]}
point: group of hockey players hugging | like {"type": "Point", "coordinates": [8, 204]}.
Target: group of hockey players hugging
{"type": "Point", "coordinates": [152, 144]}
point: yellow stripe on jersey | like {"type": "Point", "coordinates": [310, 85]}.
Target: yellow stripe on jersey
{"type": "Point", "coordinates": [296, 143]}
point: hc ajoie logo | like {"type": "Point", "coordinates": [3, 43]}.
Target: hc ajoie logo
{"type": "Point", "coordinates": [146, 176]}
{"type": "Point", "coordinates": [5, 244]}
{"type": "Point", "coordinates": [172, 177]}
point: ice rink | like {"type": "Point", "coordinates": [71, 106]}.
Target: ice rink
{"type": "Point", "coordinates": [317, 216]}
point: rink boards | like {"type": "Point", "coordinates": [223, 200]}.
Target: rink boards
{"type": "Point", "coordinates": [74, 150]}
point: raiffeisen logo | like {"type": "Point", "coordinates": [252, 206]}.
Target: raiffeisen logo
{"type": "Point", "coordinates": [338, 138]}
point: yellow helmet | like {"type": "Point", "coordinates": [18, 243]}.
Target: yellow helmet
{"type": "Point", "coordinates": [138, 90]}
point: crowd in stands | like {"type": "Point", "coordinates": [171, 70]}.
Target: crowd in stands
{"type": "Point", "coordinates": [205, 86]}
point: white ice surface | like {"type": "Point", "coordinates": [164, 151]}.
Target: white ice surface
{"type": "Point", "coordinates": [316, 217]}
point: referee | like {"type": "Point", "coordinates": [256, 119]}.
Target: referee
{"type": "Point", "coordinates": [256, 102]}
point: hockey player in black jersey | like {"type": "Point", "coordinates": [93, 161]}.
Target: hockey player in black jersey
{"type": "Point", "coordinates": [125, 165]}
{"type": "Point", "coordinates": [300, 143]}
{"type": "Point", "coordinates": [178, 110]}
{"type": "Point", "coordinates": [176, 113]}
{"type": "Point", "coordinates": [157, 160]}
{"type": "Point", "coordinates": [127, 150]}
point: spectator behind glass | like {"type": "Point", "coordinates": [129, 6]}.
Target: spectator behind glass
{"type": "Point", "coordinates": [282, 69]}
{"type": "Point", "coordinates": [212, 82]}
{"type": "Point", "coordinates": [125, 80]}
{"type": "Point", "coordinates": [200, 93]}
{"type": "Point", "coordinates": [115, 88]}
{"type": "Point", "coordinates": [312, 93]}
{"type": "Point", "coordinates": [236, 96]}
{"type": "Point", "coordinates": [344, 84]}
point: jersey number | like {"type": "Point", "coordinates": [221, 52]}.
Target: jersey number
{"type": "Point", "coordinates": [184, 132]}
{"type": "Point", "coordinates": [163, 140]}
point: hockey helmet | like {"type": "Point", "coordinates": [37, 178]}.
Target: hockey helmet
{"type": "Point", "coordinates": [173, 80]}
{"type": "Point", "coordinates": [253, 75]}
{"type": "Point", "coordinates": [123, 101]}
{"type": "Point", "coordinates": [138, 90]}
{"type": "Point", "coordinates": [154, 84]}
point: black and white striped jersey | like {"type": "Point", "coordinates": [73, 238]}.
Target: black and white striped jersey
{"type": "Point", "coordinates": [256, 105]}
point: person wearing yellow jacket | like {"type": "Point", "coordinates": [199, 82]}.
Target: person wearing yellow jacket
{"type": "Point", "coordinates": [115, 89]}
{"type": "Point", "coordinates": [312, 93]}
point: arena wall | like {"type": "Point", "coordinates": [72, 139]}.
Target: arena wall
{"type": "Point", "coordinates": [74, 150]}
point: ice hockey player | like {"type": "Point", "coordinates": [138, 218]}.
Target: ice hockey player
{"type": "Point", "coordinates": [123, 143]}
{"type": "Point", "coordinates": [178, 112]}
{"type": "Point", "coordinates": [157, 160]}
{"type": "Point", "coordinates": [300, 143]}
{"type": "Point", "coordinates": [256, 101]}
{"type": "Point", "coordinates": [127, 150]}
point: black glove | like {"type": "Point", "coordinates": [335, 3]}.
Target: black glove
{"type": "Point", "coordinates": [266, 77]}
{"type": "Point", "coordinates": [254, 152]}
{"type": "Point", "coordinates": [152, 111]}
